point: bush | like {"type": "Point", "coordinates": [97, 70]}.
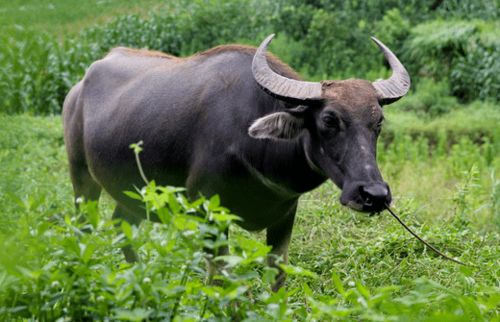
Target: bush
{"type": "Point", "coordinates": [339, 47]}
{"type": "Point", "coordinates": [28, 77]}
{"type": "Point", "coordinates": [36, 72]}
{"type": "Point", "coordinates": [82, 276]}
{"type": "Point", "coordinates": [476, 121]}
{"type": "Point", "coordinates": [430, 99]}
{"type": "Point", "coordinates": [189, 27]}
{"type": "Point", "coordinates": [465, 52]}
{"type": "Point", "coordinates": [469, 9]}
{"type": "Point", "coordinates": [477, 75]}
{"type": "Point", "coordinates": [321, 39]}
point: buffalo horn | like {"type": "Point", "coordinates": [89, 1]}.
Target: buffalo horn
{"type": "Point", "coordinates": [390, 90]}
{"type": "Point", "coordinates": [280, 85]}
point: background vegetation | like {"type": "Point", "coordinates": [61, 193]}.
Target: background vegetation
{"type": "Point", "coordinates": [455, 44]}
{"type": "Point", "coordinates": [438, 150]}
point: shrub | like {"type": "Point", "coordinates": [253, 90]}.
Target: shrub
{"type": "Point", "coordinates": [469, 9]}
{"type": "Point", "coordinates": [321, 39]}
{"type": "Point", "coordinates": [28, 77]}
{"type": "Point", "coordinates": [82, 275]}
{"type": "Point", "coordinates": [465, 52]}
{"type": "Point", "coordinates": [476, 121]}
{"type": "Point", "coordinates": [430, 99]}
{"type": "Point", "coordinates": [36, 72]}
{"type": "Point", "coordinates": [477, 75]}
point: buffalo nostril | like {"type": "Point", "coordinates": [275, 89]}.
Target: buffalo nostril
{"type": "Point", "coordinates": [375, 191]}
{"type": "Point", "coordinates": [374, 195]}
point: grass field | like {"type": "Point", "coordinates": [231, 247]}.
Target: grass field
{"type": "Point", "coordinates": [451, 199]}
{"type": "Point", "coordinates": [66, 17]}
{"type": "Point", "coordinates": [440, 157]}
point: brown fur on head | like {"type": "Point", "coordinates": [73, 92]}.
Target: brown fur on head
{"type": "Point", "coordinates": [354, 91]}
{"type": "Point", "coordinates": [355, 96]}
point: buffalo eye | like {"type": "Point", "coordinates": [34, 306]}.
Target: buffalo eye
{"type": "Point", "coordinates": [330, 121]}
{"type": "Point", "coordinates": [378, 127]}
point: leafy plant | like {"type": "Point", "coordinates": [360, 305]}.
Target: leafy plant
{"type": "Point", "coordinates": [464, 51]}
{"type": "Point", "coordinates": [344, 266]}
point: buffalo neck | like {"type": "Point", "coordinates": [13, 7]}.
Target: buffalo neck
{"type": "Point", "coordinates": [284, 163]}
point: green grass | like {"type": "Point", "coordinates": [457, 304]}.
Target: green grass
{"type": "Point", "coordinates": [366, 268]}
{"type": "Point", "coordinates": [63, 17]}
{"type": "Point", "coordinates": [37, 69]}
{"type": "Point", "coordinates": [477, 121]}
{"type": "Point", "coordinates": [441, 161]}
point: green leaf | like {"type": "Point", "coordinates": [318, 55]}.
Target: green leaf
{"type": "Point", "coordinates": [269, 275]}
{"type": "Point", "coordinates": [363, 290]}
{"type": "Point", "coordinates": [127, 229]}
{"type": "Point", "coordinates": [91, 211]}
{"type": "Point", "coordinates": [137, 314]}
{"type": "Point", "coordinates": [338, 283]}
{"type": "Point", "coordinates": [297, 271]}
{"type": "Point", "coordinates": [133, 195]}
{"type": "Point", "coordinates": [137, 147]}
{"type": "Point", "coordinates": [86, 251]}
{"type": "Point", "coordinates": [307, 290]}
{"type": "Point", "coordinates": [229, 260]}
{"type": "Point", "coordinates": [214, 202]}
{"type": "Point", "coordinates": [225, 217]}
{"type": "Point", "coordinates": [184, 223]}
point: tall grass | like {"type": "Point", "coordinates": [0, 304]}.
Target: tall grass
{"type": "Point", "coordinates": [476, 121]}
{"type": "Point", "coordinates": [464, 52]}
{"type": "Point", "coordinates": [37, 71]}
{"type": "Point", "coordinates": [65, 18]}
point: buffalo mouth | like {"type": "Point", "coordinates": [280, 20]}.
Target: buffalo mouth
{"type": "Point", "coordinates": [357, 206]}
{"type": "Point", "coordinates": [353, 205]}
{"type": "Point", "coordinates": [367, 197]}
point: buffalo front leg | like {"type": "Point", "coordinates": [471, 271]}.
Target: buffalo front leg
{"type": "Point", "coordinates": [278, 237]}
{"type": "Point", "coordinates": [197, 185]}
{"type": "Point", "coordinates": [214, 267]}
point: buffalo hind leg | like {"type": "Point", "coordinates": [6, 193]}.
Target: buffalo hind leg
{"type": "Point", "coordinates": [84, 186]}
{"type": "Point", "coordinates": [278, 237]}
{"type": "Point", "coordinates": [123, 214]}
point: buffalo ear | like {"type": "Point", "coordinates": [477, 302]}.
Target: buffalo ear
{"type": "Point", "coordinates": [278, 126]}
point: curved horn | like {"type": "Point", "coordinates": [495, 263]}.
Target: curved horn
{"type": "Point", "coordinates": [392, 89]}
{"type": "Point", "coordinates": [280, 85]}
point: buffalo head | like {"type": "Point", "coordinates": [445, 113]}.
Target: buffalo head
{"type": "Point", "coordinates": [340, 120]}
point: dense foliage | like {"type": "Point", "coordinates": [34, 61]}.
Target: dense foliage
{"type": "Point", "coordinates": [323, 39]}
{"type": "Point", "coordinates": [463, 51]}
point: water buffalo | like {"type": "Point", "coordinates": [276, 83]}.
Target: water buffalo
{"type": "Point", "coordinates": [234, 121]}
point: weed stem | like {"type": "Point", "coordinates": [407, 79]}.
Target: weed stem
{"type": "Point", "coordinates": [423, 241]}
